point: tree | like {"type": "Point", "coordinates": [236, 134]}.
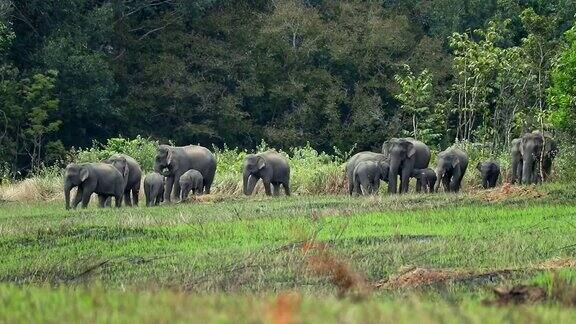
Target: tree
{"type": "Point", "coordinates": [40, 104]}
{"type": "Point", "coordinates": [415, 95]}
{"type": "Point", "coordinates": [562, 93]}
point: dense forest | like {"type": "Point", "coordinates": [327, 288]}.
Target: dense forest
{"type": "Point", "coordinates": [331, 73]}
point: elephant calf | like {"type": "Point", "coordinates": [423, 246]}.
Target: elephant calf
{"type": "Point", "coordinates": [367, 176]}
{"type": "Point", "coordinates": [490, 172]}
{"type": "Point", "coordinates": [452, 165]}
{"type": "Point", "coordinates": [425, 179]}
{"type": "Point", "coordinates": [154, 189]}
{"type": "Point", "coordinates": [191, 180]}
{"type": "Point", "coordinates": [269, 166]}
{"type": "Point", "coordinates": [100, 178]}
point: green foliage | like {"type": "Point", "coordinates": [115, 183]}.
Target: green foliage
{"type": "Point", "coordinates": [141, 149]}
{"type": "Point", "coordinates": [40, 104]}
{"type": "Point", "coordinates": [416, 99]}
{"type": "Point", "coordinates": [288, 72]}
{"type": "Point", "coordinates": [562, 93]}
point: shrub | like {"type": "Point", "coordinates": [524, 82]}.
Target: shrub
{"type": "Point", "coordinates": [141, 149]}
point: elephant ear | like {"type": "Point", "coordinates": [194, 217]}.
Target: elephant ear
{"type": "Point", "coordinates": [261, 164]}
{"type": "Point", "coordinates": [84, 173]}
{"type": "Point", "coordinates": [411, 150]}
{"type": "Point", "coordinates": [169, 157]}
{"type": "Point", "coordinates": [455, 162]}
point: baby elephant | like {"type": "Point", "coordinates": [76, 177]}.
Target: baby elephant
{"type": "Point", "coordinates": [191, 180]}
{"type": "Point", "coordinates": [154, 189]}
{"type": "Point", "coordinates": [367, 176]}
{"type": "Point", "coordinates": [490, 171]}
{"type": "Point", "coordinates": [425, 179]}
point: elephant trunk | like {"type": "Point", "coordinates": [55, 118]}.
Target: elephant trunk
{"type": "Point", "coordinates": [439, 176]}
{"type": "Point", "coordinates": [528, 168]}
{"type": "Point", "coordinates": [393, 176]}
{"type": "Point", "coordinates": [245, 178]}
{"type": "Point", "coordinates": [67, 189]}
{"type": "Point", "coordinates": [158, 168]}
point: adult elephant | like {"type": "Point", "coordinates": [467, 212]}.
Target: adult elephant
{"type": "Point", "coordinates": [405, 155]}
{"type": "Point", "coordinates": [451, 167]}
{"type": "Point", "coordinates": [179, 159]}
{"type": "Point", "coordinates": [133, 177]}
{"type": "Point", "coordinates": [516, 161]}
{"type": "Point", "coordinates": [269, 166]}
{"type": "Point", "coordinates": [100, 178]}
{"type": "Point", "coordinates": [357, 158]}
{"type": "Point", "coordinates": [536, 147]}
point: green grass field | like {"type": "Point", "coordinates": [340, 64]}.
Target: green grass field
{"type": "Point", "coordinates": [242, 258]}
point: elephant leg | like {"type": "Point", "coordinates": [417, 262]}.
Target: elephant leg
{"type": "Point", "coordinates": [136, 195]}
{"type": "Point", "coordinates": [158, 197]}
{"type": "Point", "coordinates": [78, 197]}
{"type": "Point", "coordinates": [86, 194]}
{"type": "Point", "coordinates": [177, 185]}
{"type": "Point", "coordinates": [168, 190]}
{"type": "Point", "coordinates": [118, 199]}
{"type": "Point", "coordinates": [127, 198]}
{"type": "Point", "coordinates": [267, 187]}
{"type": "Point", "coordinates": [418, 185]}
{"type": "Point", "coordinates": [376, 186]}
{"type": "Point", "coordinates": [102, 201]}
{"type": "Point", "coordinates": [351, 186]}
{"type": "Point", "coordinates": [286, 186]}
{"type": "Point", "coordinates": [405, 179]}
{"type": "Point", "coordinates": [276, 189]}
{"type": "Point", "coordinates": [446, 183]}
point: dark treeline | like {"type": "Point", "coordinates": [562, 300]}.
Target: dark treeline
{"type": "Point", "coordinates": [332, 73]}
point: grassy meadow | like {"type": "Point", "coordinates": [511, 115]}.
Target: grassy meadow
{"type": "Point", "coordinates": [434, 258]}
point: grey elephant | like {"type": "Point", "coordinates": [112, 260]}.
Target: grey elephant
{"type": "Point", "coordinates": [490, 172]}
{"type": "Point", "coordinates": [451, 167]}
{"type": "Point", "coordinates": [405, 155]}
{"type": "Point", "coordinates": [191, 180]}
{"type": "Point", "coordinates": [100, 178]}
{"type": "Point", "coordinates": [358, 158]}
{"type": "Point", "coordinates": [425, 179]}
{"type": "Point", "coordinates": [154, 189]}
{"type": "Point", "coordinates": [516, 161]}
{"type": "Point", "coordinates": [367, 176]}
{"type": "Point", "coordinates": [536, 147]}
{"type": "Point", "coordinates": [179, 159]}
{"type": "Point", "coordinates": [269, 166]}
{"type": "Point", "coordinates": [133, 177]}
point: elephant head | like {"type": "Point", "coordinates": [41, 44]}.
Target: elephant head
{"type": "Point", "coordinates": [120, 163]}
{"type": "Point", "coordinates": [399, 152]}
{"type": "Point", "coordinates": [74, 176]}
{"type": "Point", "coordinates": [384, 170]}
{"type": "Point", "coordinates": [253, 164]}
{"type": "Point", "coordinates": [164, 159]}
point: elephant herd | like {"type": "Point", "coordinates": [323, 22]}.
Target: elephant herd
{"type": "Point", "coordinates": [181, 170]}
{"type": "Point", "coordinates": [405, 158]}
{"type": "Point", "coordinates": [178, 171]}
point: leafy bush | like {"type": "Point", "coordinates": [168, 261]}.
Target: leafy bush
{"type": "Point", "coordinates": [141, 149]}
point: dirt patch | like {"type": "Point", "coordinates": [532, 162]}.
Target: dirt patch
{"type": "Point", "coordinates": [558, 263]}
{"type": "Point", "coordinates": [522, 294]}
{"type": "Point", "coordinates": [416, 277]}
{"type": "Point", "coordinates": [509, 191]}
